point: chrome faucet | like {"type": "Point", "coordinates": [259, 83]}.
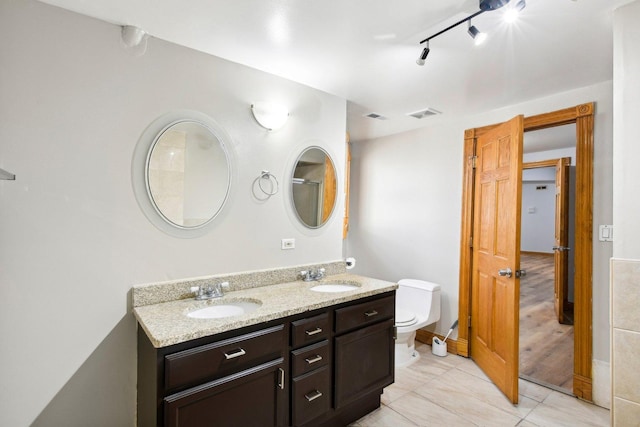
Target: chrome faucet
{"type": "Point", "coordinates": [310, 275]}
{"type": "Point", "coordinates": [209, 291]}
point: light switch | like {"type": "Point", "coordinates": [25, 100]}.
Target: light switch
{"type": "Point", "coordinates": [606, 233]}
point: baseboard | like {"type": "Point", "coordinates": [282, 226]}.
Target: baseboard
{"type": "Point", "coordinates": [601, 383]}
{"type": "Point", "coordinates": [582, 387]}
{"type": "Point", "coordinates": [537, 253]}
{"type": "Point", "coordinates": [426, 337]}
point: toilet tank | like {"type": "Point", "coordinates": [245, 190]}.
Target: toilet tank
{"type": "Point", "coordinates": [421, 297]}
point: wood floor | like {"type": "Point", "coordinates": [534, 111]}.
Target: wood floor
{"type": "Point", "coordinates": [546, 346]}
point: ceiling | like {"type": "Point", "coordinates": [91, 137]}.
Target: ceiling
{"type": "Point", "coordinates": [365, 50]}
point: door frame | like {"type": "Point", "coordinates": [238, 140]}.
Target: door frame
{"type": "Point", "coordinates": [583, 117]}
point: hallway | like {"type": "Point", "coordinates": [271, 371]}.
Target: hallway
{"type": "Point", "coordinates": [546, 346]}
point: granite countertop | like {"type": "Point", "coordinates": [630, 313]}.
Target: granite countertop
{"type": "Point", "coordinates": [167, 323]}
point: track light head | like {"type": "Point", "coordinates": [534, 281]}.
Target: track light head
{"type": "Point", "coordinates": [478, 36]}
{"type": "Point", "coordinates": [423, 56]}
{"type": "Point", "coordinates": [487, 5]}
{"type": "Point", "coordinates": [512, 12]}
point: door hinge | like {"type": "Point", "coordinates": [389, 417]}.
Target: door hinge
{"type": "Point", "coordinates": [471, 241]}
{"type": "Point", "coordinates": [469, 322]}
{"type": "Point", "coordinates": [473, 161]}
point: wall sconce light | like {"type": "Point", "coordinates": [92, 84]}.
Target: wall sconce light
{"type": "Point", "coordinates": [132, 36]}
{"type": "Point", "coordinates": [134, 39]}
{"type": "Point", "coordinates": [270, 116]}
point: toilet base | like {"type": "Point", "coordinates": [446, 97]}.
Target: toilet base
{"type": "Point", "coordinates": [405, 350]}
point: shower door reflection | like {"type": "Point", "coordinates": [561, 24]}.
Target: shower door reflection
{"type": "Point", "coordinates": [306, 198]}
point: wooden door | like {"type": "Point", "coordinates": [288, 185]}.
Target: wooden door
{"type": "Point", "coordinates": [560, 257]}
{"type": "Point", "coordinates": [329, 190]}
{"type": "Point", "coordinates": [495, 284]}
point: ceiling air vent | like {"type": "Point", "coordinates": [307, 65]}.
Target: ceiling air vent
{"type": "Point", "coordinates": [376, 116]}
{"type": "Point", "coordinates": [421, 114]}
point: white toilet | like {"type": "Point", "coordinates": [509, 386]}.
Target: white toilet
{"type": "Point", "coordinates": [417, 305]}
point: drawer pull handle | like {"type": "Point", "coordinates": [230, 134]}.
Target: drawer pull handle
{"type": "Point", "coordinates": [313, 396]}
{"type": "Point", "coordinates": [281, 382]}
{"type": "Point", "coordinates": [314, 332]}
{"type": "Point", "coordinates": [371, 313]}
{"type": "Point", "coordinates": [237, 353]}
{"type": "Point", "coordinates": [313, 360]}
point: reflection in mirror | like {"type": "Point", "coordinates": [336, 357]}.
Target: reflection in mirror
{"type": "Point", "coordinates": [187, 174]}
{"type": "Point", "coordinates": [313, 187]}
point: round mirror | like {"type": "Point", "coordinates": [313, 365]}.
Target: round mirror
{"type": "Point", "coordinates": [313, 187]}
{"type": "Point", "coordinates": [187, 174]}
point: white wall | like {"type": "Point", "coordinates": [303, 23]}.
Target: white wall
{"type": "Point", "coordinates": [72, 238]}
{"type": "Point", "coordinates": [405, 207]}
{"type": "Point", "coordinates": [537, 225]}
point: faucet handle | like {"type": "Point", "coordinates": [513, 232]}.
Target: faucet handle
{"type": "Point", "coordinates": [304, 274]}
{"type": "Point", "coordinates": [224, 285]}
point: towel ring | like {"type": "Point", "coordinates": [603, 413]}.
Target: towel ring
{"type": "Point", "coordinates": [273, 181]}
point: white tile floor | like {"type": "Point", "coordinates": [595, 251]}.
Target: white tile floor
{"type": "Point", "coordinates": [453, 391]}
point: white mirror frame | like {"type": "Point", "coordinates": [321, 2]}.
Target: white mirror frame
{"type": "Point", "coordinates": [293, 209]}
{"type": "Point", "coordinates": [141, 154]}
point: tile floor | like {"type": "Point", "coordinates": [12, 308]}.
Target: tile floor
{"type": "Point", "coordinates": [453, 391]}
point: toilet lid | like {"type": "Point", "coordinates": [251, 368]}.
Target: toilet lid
{"type": "Point", "coordinates": [405, 317]}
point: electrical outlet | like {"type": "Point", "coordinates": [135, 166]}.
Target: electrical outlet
{"type": "Point", "coordinates": [288, 244]}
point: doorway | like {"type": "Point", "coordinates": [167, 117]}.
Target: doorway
{"type": "Point", "coordinates": [547, 235]}
{"type": "Point", "coordinates": [582, 116]}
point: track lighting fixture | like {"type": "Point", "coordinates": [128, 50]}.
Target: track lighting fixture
{"type": "Point", "coordinates": [512, 12]}
{"type": "Point", "coordinates": [478, 36]}
{"type": "Point", "coordinates": [423, 55]}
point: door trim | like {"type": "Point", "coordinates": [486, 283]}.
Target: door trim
{"type": "Point", "coordinates": [583, 116]}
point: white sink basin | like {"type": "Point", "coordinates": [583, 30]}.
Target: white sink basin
{"type": "Point", "coordinates": [228, 309]}
{"type": "Point", "coordinates": [333, 287]}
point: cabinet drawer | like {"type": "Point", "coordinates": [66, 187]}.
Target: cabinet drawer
{"type": "Point", "coordinates": [190, 367]}
{"type": "Point", "coordinates": [311, 395]}
{"type": "Point", "coordinates": [309, 358]}
{"type": "Point", "coordinates": [364, 313]}
{"type": "Point", "coordinates": [310, 330]}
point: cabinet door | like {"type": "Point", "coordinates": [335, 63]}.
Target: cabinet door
{"type": "Point", "coordinates": [254, 397]}
{"type": "Point", "coordinates": [364, 362]}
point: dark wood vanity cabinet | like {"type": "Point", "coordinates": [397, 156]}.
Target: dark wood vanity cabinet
{"type": "Point", "coordinates": [322, 368]}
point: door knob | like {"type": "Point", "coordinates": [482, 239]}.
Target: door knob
{"type": "Point", "coordinates": [521, 273]}
{"type": "Point", "coordinates": [505, 272]}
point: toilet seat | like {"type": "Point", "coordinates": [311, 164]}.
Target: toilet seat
{"type": "Point", "coordinates": [405, 317]}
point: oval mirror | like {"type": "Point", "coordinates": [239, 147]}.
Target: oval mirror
{"type": "Point", "coordinates": [187, 174]}
{"type": "Point", "coordinates": [313, 187]}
